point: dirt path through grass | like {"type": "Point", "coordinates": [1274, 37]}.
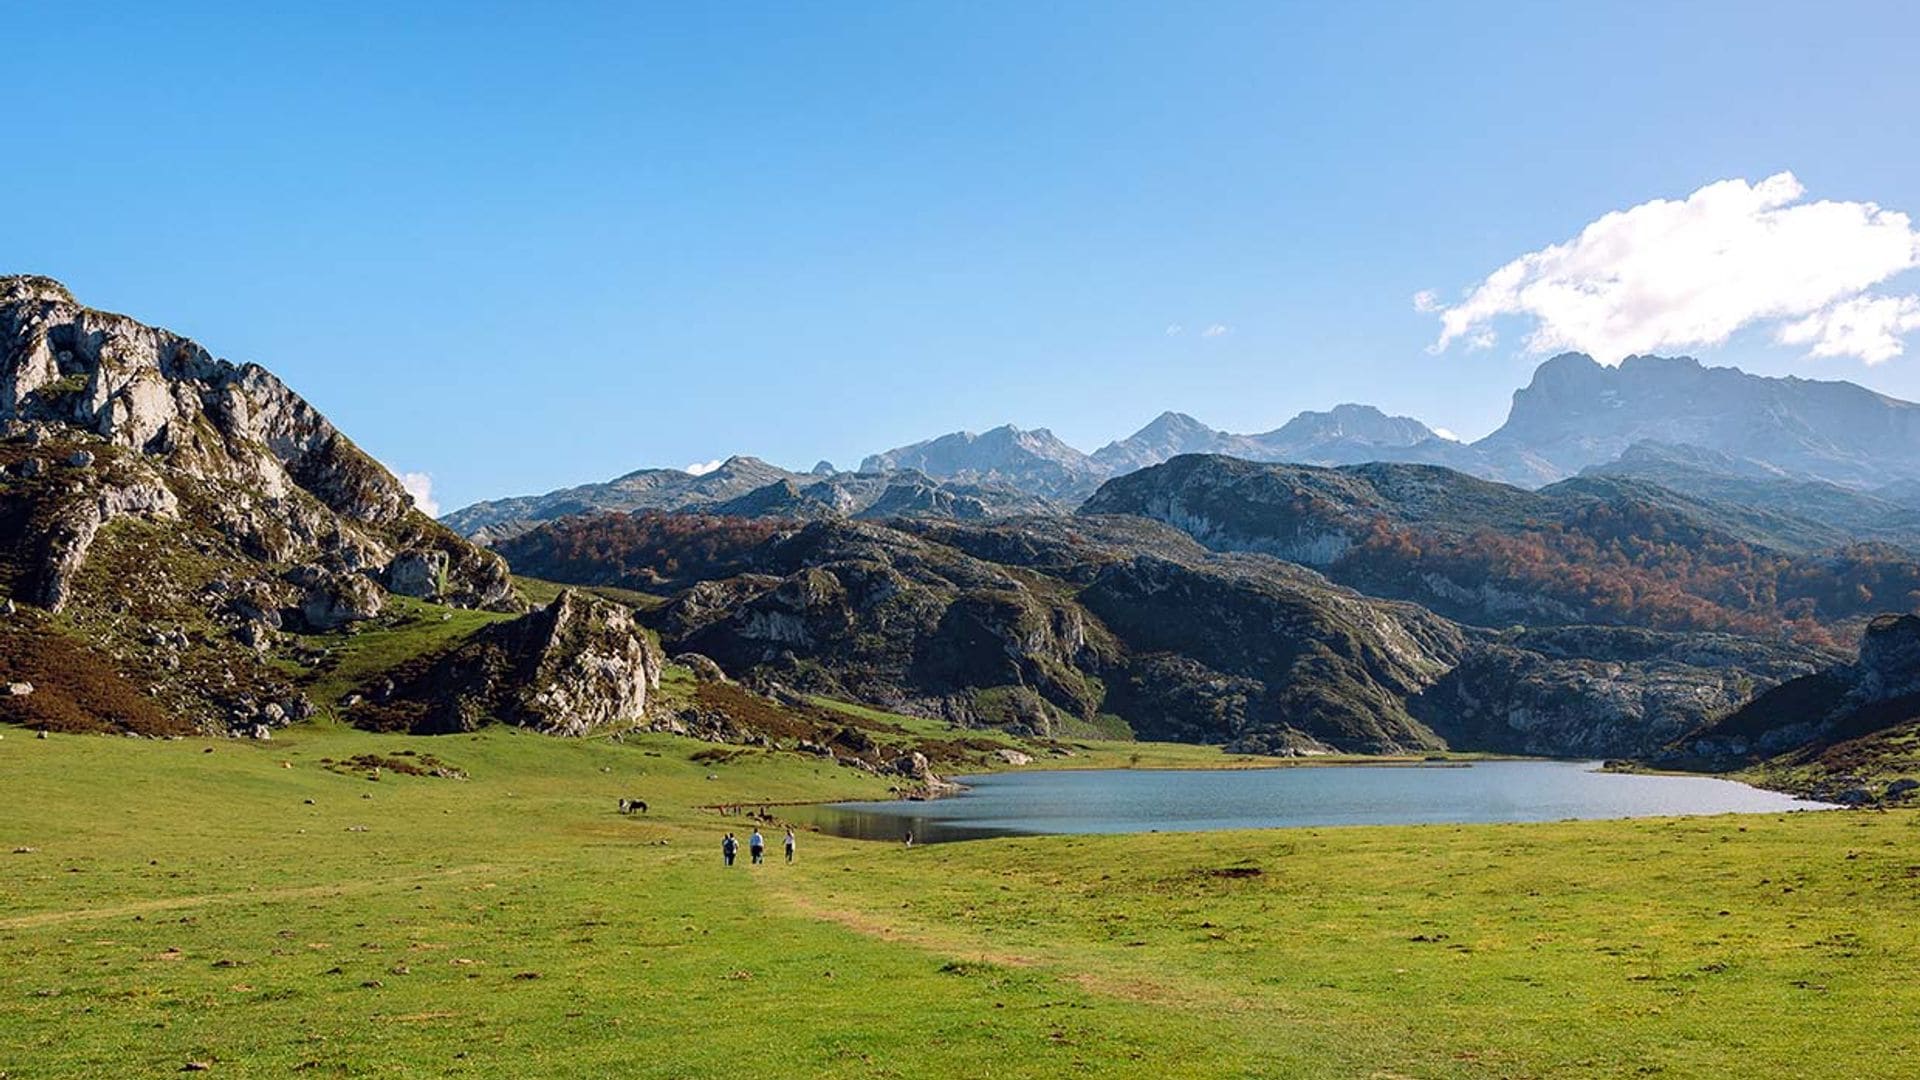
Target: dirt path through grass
{"type": "Point", "coordinates": [788, 896]}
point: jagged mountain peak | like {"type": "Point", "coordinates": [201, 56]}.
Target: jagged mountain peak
{"type": "Point", "coordinates": [1352, 421]}
{"type": "Point", "coordinates": [1576, 413]}
{"type": "Point", "coordinates": [1035, 461]}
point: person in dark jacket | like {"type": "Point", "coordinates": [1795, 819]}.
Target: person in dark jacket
{"type": "Point", "coordinates": [728, 847]}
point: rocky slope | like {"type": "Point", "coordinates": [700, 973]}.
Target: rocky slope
{"type": "Point", "coordinates": [1060, 626]}
{"type": "Point", "coordinates": [187, 545]}
{"type": "Point", "coordinates": [1850, 732]}
{"type": "Point", "coordinates": [1590, 550]}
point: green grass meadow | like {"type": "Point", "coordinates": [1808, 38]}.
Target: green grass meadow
{"type": "Point", "coordinates": [180, 908]}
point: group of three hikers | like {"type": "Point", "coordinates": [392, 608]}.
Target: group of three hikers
{"type": "Point", "coordinates": [756, 847]}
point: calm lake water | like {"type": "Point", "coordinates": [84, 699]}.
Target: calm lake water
{"type": "Point", "coordinates": [1146, 800]}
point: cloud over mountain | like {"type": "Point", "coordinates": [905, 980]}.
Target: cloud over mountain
{"type": "Point", "coordinates": [419, 487]}
{"type": "Point", "coordinates": [1670, 274]}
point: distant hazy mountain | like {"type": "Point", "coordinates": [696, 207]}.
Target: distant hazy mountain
{"type": "Point", "coordinates": [877, 496]}
{"type": "Point", "coordinates": [1169, 435]}
{"type": "Point", "coordinates": [1038, 462]}
{"type": "Point", "coordinates": [645, 489]}
{"type": "Point", "coordinates": [1797, 447]}
{"type": "Point", "coordinates": [749, 487]}
{"type": "Point", "coordinates": [1347, 434]}
{"type": "Point", "coordinates": [1576, 413]}
{"type": "Point", "coordinates": [1807, 514]}
{"type": "Point", "coordinates": [1033, 461]}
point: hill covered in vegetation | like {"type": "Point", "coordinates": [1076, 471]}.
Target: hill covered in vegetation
{"type": "Point", "coordinates": [1600, 549]}
{"type": "Point", "coordinates": [1120, 624]}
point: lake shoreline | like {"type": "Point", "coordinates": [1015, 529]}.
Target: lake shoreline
{"type": "Point", "coordinates": [1391, 793]}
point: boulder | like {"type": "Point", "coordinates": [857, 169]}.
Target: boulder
{"type": "Point", "coordinates": [1889, 664]}
{"type": "Point", "coordinates": [1900, 788]}
{"type": "Point", "coordinates": [334, 600]}
{"type": "Point", "coordinates": [80, 459]}
{"type": "Point", "coordinates": [577, 666]}
{"type": "Point", "coordinates": [1013, 757]}
{"type": "Point", "coordinates": [19, 689]}
{"type": "Point", "coordinates": [420, 573]}
{"type": "Point", "coordinates": [703, 667]}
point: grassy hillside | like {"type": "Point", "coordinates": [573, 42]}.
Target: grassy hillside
{"type": "Point", "coordinates": [260, 912]}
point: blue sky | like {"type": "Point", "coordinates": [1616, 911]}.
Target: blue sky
{"type": "Point", "coordinates": [518, 247]}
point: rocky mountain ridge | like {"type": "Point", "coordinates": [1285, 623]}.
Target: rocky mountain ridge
{"type": "Point", "coordinates": [1574, 416]}
{"type": "Point", "coordinates": [1587, 550]}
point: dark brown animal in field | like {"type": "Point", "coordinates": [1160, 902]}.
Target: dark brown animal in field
{"type": "Point", "coordinates": [629, 806]}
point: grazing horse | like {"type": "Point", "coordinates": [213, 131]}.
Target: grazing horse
{"type": "Point", "coordinates": [628, 806]}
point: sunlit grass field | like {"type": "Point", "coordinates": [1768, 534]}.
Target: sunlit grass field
{"type": "Point", "coordinates": [179, 908]}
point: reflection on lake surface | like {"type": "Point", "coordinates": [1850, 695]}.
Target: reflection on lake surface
{"type": "Point", "coordinates": [1147, 800]}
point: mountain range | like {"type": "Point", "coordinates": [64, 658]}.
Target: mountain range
{"type": "Point", "coordinates": [1833, 453]}
{"type": "Point", "coordinates": [747, 486]}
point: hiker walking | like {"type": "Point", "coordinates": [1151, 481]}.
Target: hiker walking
{"type": "Point", "coordinates": [727, 848]}
{"type": "Point", "coordinates": [789, 845]}
{"type": "Point", "coordinates": [757, 845]}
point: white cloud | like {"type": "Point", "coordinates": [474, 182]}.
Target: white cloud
{"type": "Point", "coordinates": [1174, 329]}
{"type": "Point", "coordinates": [1426, 300]}
{"type": "Point", "coordinates": [1673, 274]}
{"type": "Point", "coordinates": [702, 468]}
{"type": "Point", "coordinates": [1217, 330]}
{"type": "Point", "coordinates": [1869, 327]}
{"type": "Point", "coordinates": [419, 486]}
{"type": "Point", "coordinates": [1445, 434]}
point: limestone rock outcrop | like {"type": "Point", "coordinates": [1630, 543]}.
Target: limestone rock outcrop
{"type": "Point", "coordinates": [577, 666]}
